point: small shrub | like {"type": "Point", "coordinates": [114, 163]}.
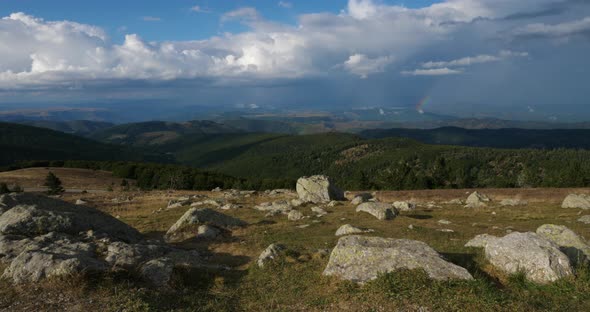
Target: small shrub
{"type": "Point", "coordinates": [4, 188]}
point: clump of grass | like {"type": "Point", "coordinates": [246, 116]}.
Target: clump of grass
{"type": "Point", "coordinates": [414, 287]}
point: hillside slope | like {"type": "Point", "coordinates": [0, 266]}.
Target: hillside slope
{"type": "Point", "coordinates": [498, 138]}
{"type": "Point", "coordinates": [390, 163]}
{"type": "Point", "coordinates": [78, 127]}
{"type": "Point", "coordinates": [158, 132]}
{"type": "Point", "coordinates": [21, 142]}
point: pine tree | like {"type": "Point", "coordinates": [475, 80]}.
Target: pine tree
{"type": "Point", "coordinates": [54, 184]}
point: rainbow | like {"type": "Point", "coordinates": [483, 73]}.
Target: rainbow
{"type": "Point", "coordinates": [421, 103]}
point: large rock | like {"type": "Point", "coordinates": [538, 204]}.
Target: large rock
{"type": "Point", "coordinates": [60, 256]}
{"type": "Point", "coordinates": [381, 211]}
{"type": "Point", "coordinates": [538, 258]}
{"type": "Point", "coordinates": [318, 189]}
{"type": "Point", "coordinates": [42, 237]}
{"type": "Point", "coordinates": [32, 215]}
{"type": "Point", "coordinates": [581, 201]}
{"type": "Point", "coordinates": [477, 200]}
{"type": "Point", "coordinates": [12, 245]}
{"type": "Point", "coordinates": [361, 259]}
{"type": "Point", "coordinates": [575, 247]}
{"type": "Point", "coordinates": [187, 226]}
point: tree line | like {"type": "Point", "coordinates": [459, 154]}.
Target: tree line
{"type": "Point", "coordinates": [149, 176]}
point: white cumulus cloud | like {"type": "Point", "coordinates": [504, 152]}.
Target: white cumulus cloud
{"type": "Point", "coordinates": [361, 65]}
{"type": "Point", "coordinates": [365, 38]}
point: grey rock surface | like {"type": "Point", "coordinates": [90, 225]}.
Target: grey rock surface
{"type": "Point", "coordinates": [361, 259]}
{"type": "Point", "coordinates": [538, 258]}
{"type": "Point", "coordinates": [381, 211]}
{"type": "Point", "coordinates": [318, 189]}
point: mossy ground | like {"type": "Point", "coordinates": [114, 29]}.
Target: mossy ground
{"type": "Point", "coordinates": [295, 283]}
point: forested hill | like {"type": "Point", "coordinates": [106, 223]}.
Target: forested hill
{"type": "Point", "coordinates": [390, 163]}
{"type": "Point", "coordinates": [498, 138]}
{"type": "Point", "coordinates": [78, 127]}
{"type": "Point", "coordinates": [21, 142]}
{"type": "Point", "coordinates": [354, 162]}
{"type": "Point", "coordinates": [159, 132]}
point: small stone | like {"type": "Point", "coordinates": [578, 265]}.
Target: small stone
{"type": "Point", "coordinates": [381, 211]}
{"type": "Point", "coordinates": [513, 202]}
{"type": "Point", "coordinates": [319, 211]}
{"type": "Point", "coordinates": [348, 229]}
{"type": "Point", "coordinates": [294, 215]}
{"type": "Point", "coordinates": [404, 206]}
{"type": "Point", "coordinates": [580, 201]}
{"type": "Point", "coordinates": [271, 253]}
{"type": "Point", "coordinates": [584, 219]}
{"type": "Point", "coordinates": [480, 240]}
{"type": "Point", "coordinates": [477, 200]}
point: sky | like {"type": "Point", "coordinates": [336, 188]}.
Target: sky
{"type": "Point", "coordinates": [501, 58]}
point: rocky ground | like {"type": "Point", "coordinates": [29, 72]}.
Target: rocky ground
{"type": "Point", "coordinates": [278, 250]}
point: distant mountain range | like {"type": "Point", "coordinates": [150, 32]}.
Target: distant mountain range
{"type": "Point", "coordinates": [89, 120]}
{"type": "Point", "coordinates": [77, 127]}
{"type": "Point", "coordinates": [158, 132]}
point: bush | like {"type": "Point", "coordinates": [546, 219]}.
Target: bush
{"type": "Point", "coordinates": [4, 188]}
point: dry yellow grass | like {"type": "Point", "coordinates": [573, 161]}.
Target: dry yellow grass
{"type": "Point", "coordinates": [72, 178]}
{"type": "Point", "coordinates": [146, 212]}
{"type": "Point", "coordinates": [297, 284]}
